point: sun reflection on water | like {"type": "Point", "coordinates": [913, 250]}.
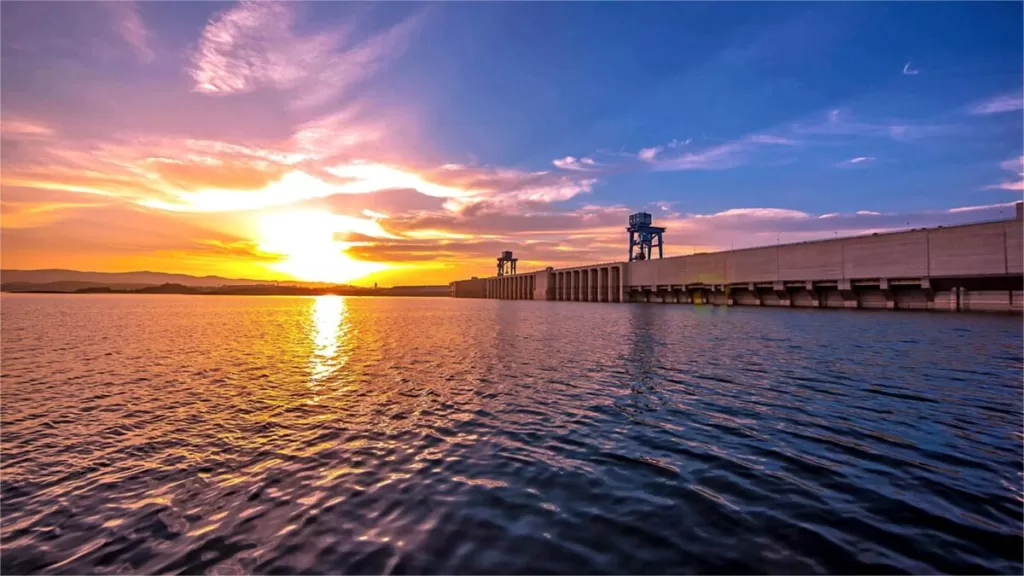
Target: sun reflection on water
{"type": "Point", "coordinates": [330, 330]}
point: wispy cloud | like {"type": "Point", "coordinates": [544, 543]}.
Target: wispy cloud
{"type": "Point", "coordinates": [908, 71]}
{"type": "Point", "coordinates": [131, 27]}
{"type": "Point", "coordinates": [250, 46]}
{"type": "Point", "coordinates": [856, 161]}
{"type": "Point", "coordinates": [987, 207]}
{"type": "Point", "coordinates": [253, 46]}
{"type": "Point", "coordinates": [573, 163]}
{"type": "Point", "coordinates": [1015, 165]}
{"type": "Point", "coordinates": [723, 156]}
{"type": "Point", "coordinates": [1003, 103]}
{"type": "Point", "coordinates": [840, 123]}
{"type": "Point", "coordinates": [21, 128]}
{"type": "Point", "coordinates": [649, 154]}
{"type": "Point", "coordinates": [768, 139]}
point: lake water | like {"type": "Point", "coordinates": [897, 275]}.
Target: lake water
{"type": "Point", "coordinates": [365, 435]}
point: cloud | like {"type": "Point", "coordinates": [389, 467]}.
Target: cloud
{"type": "Point", "coordinates": [648, 154]}
{"type": "Point", "coordinates": [908, 71]}
{"type": "Point", "coordinates": [1015, 165]}
{"type": "Point", "coordinates": [572, 163]}
{"type": "Point", "coordinates": [718, 157]}
{"type": "Point", "coordinates": [132, 29]}
{"type": "Point", "coordinates": [250, 46]}
{"type": "Point", "coordinates": [217, 173]}
{"type": "Point", "coordinates": [839, 123]}
{"type": "Point", "coordinates": [987, 207]}
{"type": "Point", "coordinates": [23, 129]}
{"type": "Point", "coordinates": [748, 227]}
{"type": "Point", "coordinates": [253, 46]}
{"type": "Point", "coordinates": [1003, 103]}
{"type": "Point", "coordinates": [857, 160]}
{"type": "Point", "coordinates": [766, 139]}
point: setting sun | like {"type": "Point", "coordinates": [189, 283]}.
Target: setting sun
{"type": "Point", "coordinates": [308, 242]}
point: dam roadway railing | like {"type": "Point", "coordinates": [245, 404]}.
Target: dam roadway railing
{"type": "Point", "coordinates": [969, 267]}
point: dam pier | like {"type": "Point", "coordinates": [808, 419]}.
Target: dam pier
{"type": "Point", "coordinates": [969, 267]}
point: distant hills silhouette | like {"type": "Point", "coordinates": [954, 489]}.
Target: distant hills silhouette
{"type": "Point", "coordinates": [139, 279]}
{"type": "Point", "coordinates": [145, 282]}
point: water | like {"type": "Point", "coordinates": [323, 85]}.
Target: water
{"type": "Point", "coordinates": [364, 435]}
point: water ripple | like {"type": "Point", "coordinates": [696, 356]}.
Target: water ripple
{"type": "Point", "coordinates": [324, 435]}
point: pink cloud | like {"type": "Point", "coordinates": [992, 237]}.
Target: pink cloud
{"type": "Point", "coordinates": [253, 46]}
{"type": "Point", "coordinates": [132, 28]}
{"type": "Point", "coordinates": [1015, 165]}
{"type": "Point", "coordinates": [648, 154]}
{"type": "Point", "coordinates": [998, 104]}
{"type": "Point", "coordinates": [572, 163]}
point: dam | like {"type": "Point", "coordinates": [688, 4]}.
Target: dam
{"type": "Point", "coordinates": [968, 267]}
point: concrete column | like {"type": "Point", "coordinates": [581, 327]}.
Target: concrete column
{"type": "Point", "coordinates": [618, 283]}
{"type": "Point", "coordinates": [574, 285]}
{"type": "Point", "coordinates": [606, 287]}
{"type": "Point", "coordinates": [558, 285]}
{"type": "Point", "coordinates": [592, 296]}
{"type": "Point", "coordinates": [890, 298]}
{"type": "Point", "coordinates": [757, 295]}
{"type": "Point", "coordinates": [849, 294]}
{"type": "Point", "coordinates": [815, 297]}
{"type": "Point", "coordinates": [783, 294]}
{"type": "Point", "coordinates": [583, 286]}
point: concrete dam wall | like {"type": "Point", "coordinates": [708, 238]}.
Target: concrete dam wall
{"type": "Point", "coordinates": [972, 267]}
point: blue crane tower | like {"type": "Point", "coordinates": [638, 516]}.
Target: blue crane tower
{"type": "Point", "coordinates": [642, 234]}
{"type": "Point", "coordinates": [507, 264]}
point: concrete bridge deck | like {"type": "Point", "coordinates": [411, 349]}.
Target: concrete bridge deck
{"type": "Point", "coordinates": [966, 267]}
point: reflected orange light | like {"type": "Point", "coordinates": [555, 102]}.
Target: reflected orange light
{"type": "Point", "coordinates": [329, 329]}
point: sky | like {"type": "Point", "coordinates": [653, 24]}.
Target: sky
{"type": "Point", "coordinates": [410, 143]}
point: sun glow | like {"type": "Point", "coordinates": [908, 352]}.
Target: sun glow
{"type": "Point", "coordinates": [308, 242]}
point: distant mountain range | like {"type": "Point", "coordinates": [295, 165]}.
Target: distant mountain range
{"type": "Point", "coordinates": [162, 283]}
{"type": "Point", "coordinates": [130, 279]}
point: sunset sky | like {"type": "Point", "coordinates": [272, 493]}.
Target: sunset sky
{"type": "Point", "coordinates": [410, 143]}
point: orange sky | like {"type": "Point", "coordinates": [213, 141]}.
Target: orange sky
{"type": "Point", "coordinates": [240, 144]}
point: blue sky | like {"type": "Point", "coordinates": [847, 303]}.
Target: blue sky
{"type": "Point", "coordinates": [537, 126]}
